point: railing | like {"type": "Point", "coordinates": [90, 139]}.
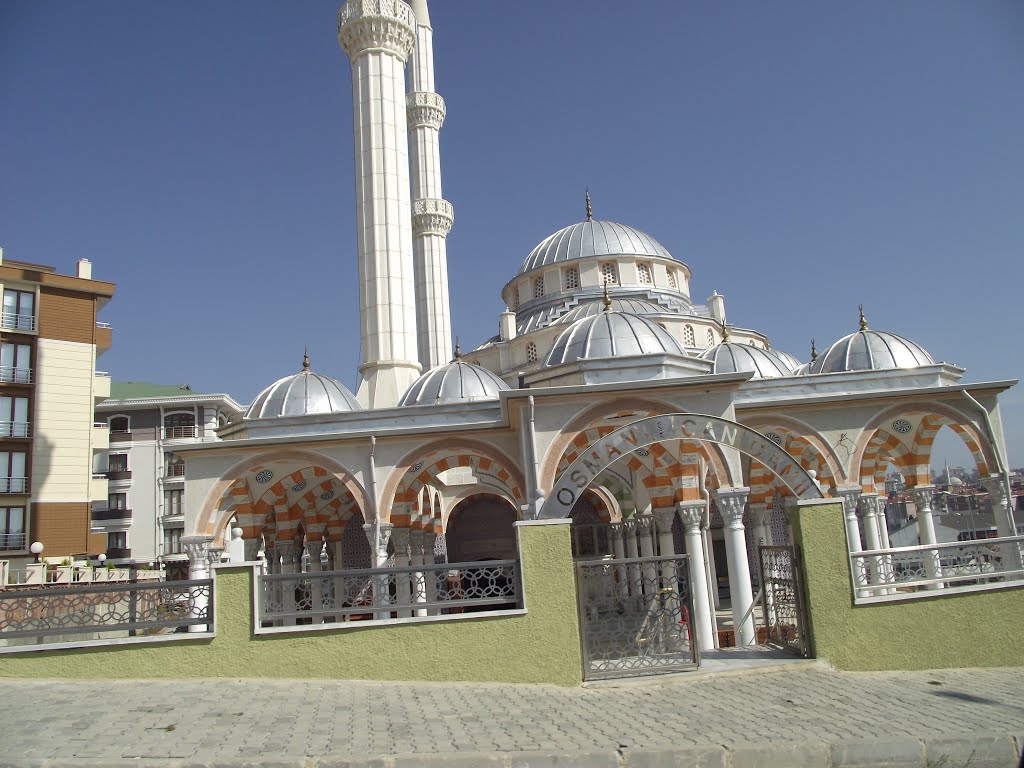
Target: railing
{"type": "Point", "coordinates": [108, 515]}
{"type": "Point", "coordinates": [388, 593]}
{"type": "Point", "coordinates": [119, 553]}
{"type": "Point", "coordinates": [14, 429]}
{"type": "Point", "coordinates": [12, 541]}
{"type": "Point", "coordinates": [10, 374]}
{"type": "Point", "coordinates": [956, 567]}
{"type": "Point", "coordinates": [175, 433]}
{"type": "Point", "coordinates": [36, 616]}
{"type": "Point", "coordinates": [102, 325]}
{"type": "Point", "coordinates": [13, 485]}
{"type": "Point", "coordinates": [174, 470]}
{"type": "Point", "coordinates": [18, 322]}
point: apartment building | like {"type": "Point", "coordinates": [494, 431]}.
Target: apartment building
{"type": "Point", "coordinates": [142, 519]}
{"type": "Point", "coordinates": [49, 342]}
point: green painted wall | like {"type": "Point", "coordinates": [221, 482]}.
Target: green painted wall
{"type": "Point", "coordinates": [978, 629]}
{"type": "Point", "coordinates": [542, 646]}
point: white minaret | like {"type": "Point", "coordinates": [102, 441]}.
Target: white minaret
{"type": "Point", "coordinates": [377, 36]}
{"type": "Point", "coordinates": [431, 214]}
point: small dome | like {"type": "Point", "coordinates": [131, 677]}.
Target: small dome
{"type": "Point", "coordinates": [454, 382]}
{"type": "Point", "coordinates": [791, 360]}
{"type": "Point", "coordinates": [630, 306]}
{"type": "Point", "coordinates": [868, 350]}
{"type": "Point", "coordinates": [593, 238]}
{"type": "Point", "coordinates": [729, 357]}
{"type": "Point", "coordinates": [612, 334]}
{"type": "Point", "coordinates": [302, 394]}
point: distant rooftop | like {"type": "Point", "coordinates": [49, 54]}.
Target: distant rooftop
{"type": "Point", "coordinates": [129, 390]}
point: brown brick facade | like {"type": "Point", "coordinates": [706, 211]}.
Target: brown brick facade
{"type": "Point", "coordinates": [63, 528]}
{"type": "Point", "coordinates": [67, 316]}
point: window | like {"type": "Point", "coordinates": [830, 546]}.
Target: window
{"type": "Point", "coordinates": [15, 363]}
{"type": "Point", "coordinates": [119, 424]}
{"type": "Point", "coordinates": [711, 338]}
{"type": "Point", "coordinates": [174, 466]}
{"type": "Point", "coordinates": [12, 528]}
{"type": "Point", "coordinates": [644, 271]}
{"type": "Point", "coordinates": [609, 275]}
{"type": "Point", "coordinates": [172, 502]}
{"type": "Point", "coordinates": [531, 353]}
{"type": "Point", "coordinates": [13, 478]}
{"type": "Point", "coordinates": [117, 462]}
{"type": "Point", "coordinates": [572, 278]}
{"type": "Point", "coordinates": [689, 339]}
{"type": "Point", "coordinates": [172, 540]}
{"type": "Point", "coordinates": [179, 425]}
{"type": "Point", "coordinates": [672, 279]}
{"type": "Point", "coordinates": [117, 501]}
{"type": "Point", "coordinates": [19, 310]}
{"type": "Point", "coordinates": [117, 540]}
{"type": "Point", "coordinates": [538, 286]}
{"type": "Point", "coordinates": [517, 300]}
{"type": "Point", "coordinates": [13, 416]}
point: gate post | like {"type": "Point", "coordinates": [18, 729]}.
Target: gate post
{"type": "Point", "coordinates": [731, 503]}
{"type": "Point", "coordinates": [692, 515]}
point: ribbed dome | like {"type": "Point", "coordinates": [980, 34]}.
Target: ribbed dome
{"type": "Point", "coordinates": [868, 350]}
{"type": "Point", "coordinates": [791, 360]}
{"type": "Point", "coordinates": [593, 238]}
{"type": "Point", "coordinates": [454, 382]}
{"type": "Point", "coordinates": [630, 306]}
{"type": "Point", "coordinates": [729, 357]}
{"type": "Point", "coordinates": [611, 334]}
{"type": "Point", "coordinates": [302, 394]}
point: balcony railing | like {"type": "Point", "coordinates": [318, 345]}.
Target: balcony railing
{"type": "Point", "coordinates": [12, 375]}
{"type": "Point", "coordinates": [18, 322]}
{"type": "Point", "coordinates": [176, 433]}
{"type": "Point", "coordinates": [14, 429]}
{"type": "Point", "coordinates": [174, 470]}
{"type": "Point", "coordinates": [115, 553]}
{"type": "Point", "coordinates": [13, 485]}
{"type": "Point", "coordinates": [111, 515]}
{"type": "Point", "coordinates": [12, 541]}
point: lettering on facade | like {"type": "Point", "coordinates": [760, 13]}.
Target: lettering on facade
{"type": "Point", "coordinates": [674, 426]}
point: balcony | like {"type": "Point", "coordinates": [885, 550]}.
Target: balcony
{"type": "Point", "coordinates": [12, 375]}
{"type": "Point", "coordinates": [120, 436]}
{"type": "Point", "coordinates": [12, 321]}
{"type": "Point", "coordinates": [13, 485]}
{"type": "Point", "coordinates": [100, 436]}
{"type": "Point", "coordinates": [101, 387]}
{"type": "Point", "coordinates": [112, 516]}
{"type": "Point", "coordinates": [118, 474]}
{"type": "Point", "coordinates": [179, 433]}
{"type": "Point", "coordinates": [104, 337]}
{"type": "Point", "coordinates": [119, 554]}
{"type": "Point", "coordinates": [13, 542]}
{"type": "Point", "coordinates": [14, 429]}
{"type": "Point", "coordinates": [174, 470]}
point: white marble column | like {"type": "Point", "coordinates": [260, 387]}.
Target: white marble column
{"type": "Point", "coordinates": [619, 553]}
{"type": "Point", "coordinates": [316, 582]}
{"type": "Point", "coordinates": [926, 532]}
{"type": "Point", "coordinates": [731, 503]}
{"type": "Point", "coordinates": [667, 548]}
{"type": "Point", "coordinates": [636, 581]}
{"type": "Point", "coordinates": [692, 515]}
{"type": "Point", "coordinates": [198, 550]}
{"type": "Point", "coordinates": [400, 539]}
{"type": "Point", "coordinates": [868, 504]}
{"type": "Point", "coordinates": [288, 552]}
{"type": "Point", "coordinates": [379, 534]}
{"type": "Point", "coordinates": [645, 536]}
{"type": "Point", "coordinates": [418, 558]}
{"type": "Point", "coordinates": [850, 496]}
{"type": "Point", "coordinates": [430, 576]}
{"type": "Point", "coordinates": [761, 529]}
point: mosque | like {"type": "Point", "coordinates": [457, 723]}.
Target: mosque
{"type": "Point", "coordinates": [436, 458]}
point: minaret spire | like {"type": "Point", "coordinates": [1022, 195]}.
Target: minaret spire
{"type": "Point", "coordinates": [863, 320]}
{"type": "Point", "coordinates": [432, 215]}
{"type": "Point", "coordinates": [590, 211]}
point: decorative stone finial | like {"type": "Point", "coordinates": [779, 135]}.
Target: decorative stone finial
{"type": "Point", "coordinates": [458, 350]}
{"type": "Point", "coordinates": [607, 300]}
{"type": "Point", "coordinates": [590, 211]}
{"type": "Point", "coordinates": [814, 351]}
{"type": "Point", "coordinates": [305, 358]}
{"type": "Point", "coordinates": [863, 320]}
{"type": "Point", "coordinates": [725, 332]}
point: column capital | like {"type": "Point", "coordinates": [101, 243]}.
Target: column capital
{"type": "Point", "coordinates": [629, 526]}
{"type": "Point", "coordinates": [644, 523]}
{"type": "Point", "coordinates": [215, 554]}
{"type": "Point", "coordinates": [314, 547]}
{"type": "Point", "coordinates": [664, 519]}
{"type": "Point", "coordinates": [731, 503]}
{"type": "Point", "coordinates": [376, 25]}
{"type": "Point", "coordinates": [424, 109]}
{"type": "Point", "coordinates": [380, 546]}
{"type": "Point", "coordinates": [432, 216]}
{"type": "Point", "coordinates": [400, 538]}
{"type": "Point", "coordinates": [692, 514]}
{"type": "Point", "coordinates": [287, 549]}
{"type": "Point", "coordinates": [868, 504]}
{"type": "Point", "coordinates": [197, 548]}
{"type": "Point", "coordinates": [850, 495]}
{"type": "Point", "coordinates": [923, 497]}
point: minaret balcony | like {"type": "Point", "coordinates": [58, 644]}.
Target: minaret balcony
{"type": "Point", "coordinates": [424, 109]}
{"type": "Point", "coordinates": [432, 216]}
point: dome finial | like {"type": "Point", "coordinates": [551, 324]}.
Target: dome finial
{"type": "Point", "coordinates": [458, 350]}
{"type": "Point", "coordinates": [814, 351]}
{"type": "Point", "coordinates": [305, 358]}
{"type": "Point", "coordinates": [590, 211]}
{"type": "Point", "coordinates": [863, 320]}
{"type": "Point", "coordinates": [725, 333]}
{"type": "Point", "coordinates": [607, 300]}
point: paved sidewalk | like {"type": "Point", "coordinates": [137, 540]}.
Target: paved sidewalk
{"type": "Point", "coordinates": [803, 716]}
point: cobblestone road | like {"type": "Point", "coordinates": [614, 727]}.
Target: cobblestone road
{"type": "Point", "coordinates": [283, 722]}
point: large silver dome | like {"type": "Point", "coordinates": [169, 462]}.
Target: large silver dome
{"type": "Point", "coordinates": [302, 394]}
{"type": "Point", "coordinates": [612, 334]}
{"type": "Point", "coordinates": [729, 357]}
{"type": "Point", "coordinates": [593, 238]}
{"type": "Point", "coordinates": [868, 350]}
{"type": "Point", "coordinates": [454, 382]}
{"type": "Point", "coordinates": [630, 306]}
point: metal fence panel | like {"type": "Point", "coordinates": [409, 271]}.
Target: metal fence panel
{"type": "Point", "coordinates": [636, 616]}
{"type": "Point", "coordinates": [785, 622]}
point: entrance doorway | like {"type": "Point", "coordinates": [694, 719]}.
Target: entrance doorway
{"type": "Point", "coordinates": [481, 527]}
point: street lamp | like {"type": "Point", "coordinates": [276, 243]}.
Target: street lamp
{"type": "Point", "coordinates": [102, 558]}
{"type": "Point", "coordinates": [36, 549]}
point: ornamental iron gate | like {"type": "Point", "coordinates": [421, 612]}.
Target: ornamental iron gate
{"type": "Point", "coordinates": [785, 617]}
{"type": "Point", "coordinates": [636, 616]}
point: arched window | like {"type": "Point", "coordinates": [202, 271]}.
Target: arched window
{"type": "Point", "coordinates": [538, 286]}
{"type": "Point", "coordinates": [644, 271]}
{"type": "Point", "coordinates": [531, 353]}
{"type": "Point", "coordinates": [688, 338]}
{"type": "Point", "coordinates": [711, 338]}
{"type": "Point", "coordinates": [572, 278]}
{"type": "Point", "coordinates": [609, 275]}
{"type": "Point", "coordinates": [119, 425]}
{"type": "Point", "coordinates": [672, 279]}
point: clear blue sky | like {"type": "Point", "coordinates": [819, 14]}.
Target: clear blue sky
{"type": "Point", "coordinates": [801, 157]}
